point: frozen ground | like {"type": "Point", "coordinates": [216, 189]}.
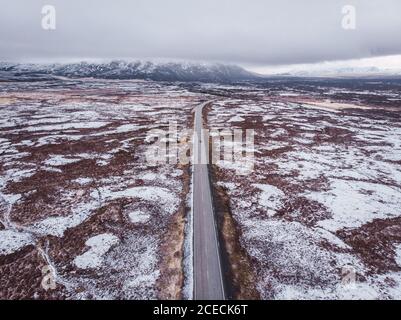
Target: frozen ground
{"type": "Point", "coordinates": [319, 216]}
{"type": "Point", "coordinates": [324, 197]}
{"type": "Point", "coordinates": [77, 196]}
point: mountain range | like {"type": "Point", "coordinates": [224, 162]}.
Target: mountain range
{"type": "Point", "coordinates": [147, 70]}
{"type": "Point", "coordinates": [173, 71]}
{"type": "Point", "coordinates": [343, 72]}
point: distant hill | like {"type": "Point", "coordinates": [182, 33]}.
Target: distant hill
{"type": "Point", "coordinates": [344, 72]}
{"type": "Point", "coordinates": [166, 71]}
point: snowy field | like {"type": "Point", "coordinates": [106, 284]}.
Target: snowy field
{"type": "Point", "coordinates": [78, 202]}
{"type": "Point", "coordinates": [320, 215]}
{"type": "Point", "coordinates": [83, 215]}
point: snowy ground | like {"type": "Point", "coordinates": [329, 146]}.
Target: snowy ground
{"type": "Point", "coordinates": [324, 197]}
{"type": "Point", "coordinates": [76, 194]}
{"type": "Point", "coordinates": [319, 216]}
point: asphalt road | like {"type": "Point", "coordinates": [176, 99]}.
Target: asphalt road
{"type": "Point", "coordinates": [208, 279]}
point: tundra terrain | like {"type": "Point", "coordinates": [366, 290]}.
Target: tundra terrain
{"type": "Point", "coordinates": [85, 215]}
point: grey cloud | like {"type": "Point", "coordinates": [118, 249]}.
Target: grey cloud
{"type": "Point", "coordinates": [238, 31]}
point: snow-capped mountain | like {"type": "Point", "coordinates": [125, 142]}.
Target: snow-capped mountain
{"type": "Point", "coordinates": [343, 72]}
{"type": "Point", "coordinates": [160, 71]}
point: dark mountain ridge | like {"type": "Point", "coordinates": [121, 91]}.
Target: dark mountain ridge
{"type": "Point", "coordinates": [146, 70]}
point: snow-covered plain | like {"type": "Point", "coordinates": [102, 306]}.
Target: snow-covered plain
{"type": "Point", "coordinates": [323, 186]}
{"type": "Point", "coordinates": [99, 246]}
{"type": "Point", "coordinates": [76, 192]}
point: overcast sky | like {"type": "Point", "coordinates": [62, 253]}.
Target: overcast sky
{"type": "Point", "coordinates": [248, 32]}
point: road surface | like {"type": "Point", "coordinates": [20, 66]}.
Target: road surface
{"type": "Point", "coordinates": [208, 279]}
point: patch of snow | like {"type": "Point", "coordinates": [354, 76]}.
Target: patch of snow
{"type": "Point", "coordinates": [126, 128]}
{"type": "Point", "coordinates": [236, 119]}
{"type": "Point", "coordinates": [149, 176]}
{"type": "Point", "coordinates": [355, 203]}
{"type": "Point", "coordinates": [359, 291]}
{"type": "Point", "coordinates": [56, 226]}
{"type": "Point", "coordinates": [273, 145]}
{"type": "Point", "coordinates": [138, 216]}
{"type": "Point", "coordinates": [242, 166]}
{"type": "Point", "coordinates": [279, 133]}
{"type": "Point", "coordinates": [42, 141]}
{"type": "Point", "coordinates": [227, 185]}
{"type": "Point", "coordinates": [398, 255]}
{"type": "Point", "coordinates": [11, 241]}
{"type": "Point", "coordinates": [44, 120]}
{"type": "Point", "coordinates": [332, 238]}
{"type": "Point", "coordinates": [176, 173]}
{"type": "Point", "coordinates": [83, 181]}
{"type": "Point", "coordinates": [143, 273]}
{"type": "Point", "coordinates": [51, 169]}
{"type": "Point", "coordinates": [270, 197]}
{"type": "Point", "coordinates": [141, 280]}
{"type": "Point", "coordinates": [268, 117]}
{"type": "Point", "coordinates": [16, 175]}
{"type": "Point", "coordinates": [67, 126]}
{"type": "Point", "coordinates": [295, 252]}
{"type": "Point", "coordinates": [99, 246]}
{"type": "Point", "coordinates": [188, 286]}
{"type": "Point", "coordinates": [59, 160]}
{"type": "Point", "coordinates": [161, 196]}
